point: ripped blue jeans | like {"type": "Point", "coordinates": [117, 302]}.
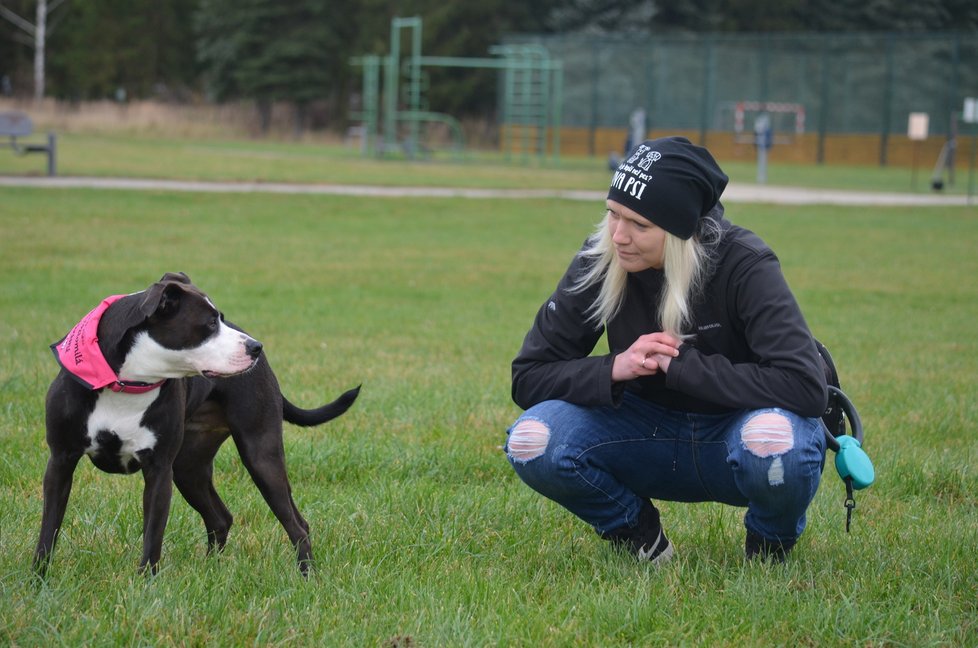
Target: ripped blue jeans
{"type": "Point", "coordinates": [599, 462]}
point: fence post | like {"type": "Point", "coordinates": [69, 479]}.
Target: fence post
{"type": "Point", "coordinates": [887, 100]}
{"type": "Point", "coordinates": [823, 112]}
{"type": "Point", "coordinates": [595, 83]}
{"type": "Point", "coordinates": [708, 85]}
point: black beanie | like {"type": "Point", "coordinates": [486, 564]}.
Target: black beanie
{"type": "Point", "coordinates": [670, 182]}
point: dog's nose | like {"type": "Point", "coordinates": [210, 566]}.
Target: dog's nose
{"type": "Point", "coordinates": [253, 347]}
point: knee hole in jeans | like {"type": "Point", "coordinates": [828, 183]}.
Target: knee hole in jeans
{"type": "Point", "coordinates": [769, 434]}
{"type": "Point", "coordinates": [528, 440]}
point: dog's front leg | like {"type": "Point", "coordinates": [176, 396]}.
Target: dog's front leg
{"type": "Point", "coordinates": [157, 494]}
{"type": "Point", "coordinates": [57, 486]}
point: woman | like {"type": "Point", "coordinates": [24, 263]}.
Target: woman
{"type": "Point", "coordinates": [713, 388]}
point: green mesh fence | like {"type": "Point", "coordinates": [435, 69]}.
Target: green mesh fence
{"type": "Point", "coordinates": [842, 83]}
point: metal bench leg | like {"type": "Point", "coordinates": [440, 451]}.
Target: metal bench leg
{"type": "Point", "coordinates": [52, 155]}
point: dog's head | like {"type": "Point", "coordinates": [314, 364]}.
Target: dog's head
{"type": "Point", "coordinates": [173, 330]}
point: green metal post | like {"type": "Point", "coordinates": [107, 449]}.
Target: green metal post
{"type": "Point", "coordinates": [371, 92]}
{"type": "Point", "coordinates": [557, 106]}
{"type": "Point", "coordinates": [507, 121]}
{"type": "Point", "coordinates": [414, 81]}
{"type": "Point", "coordinates": [391, 72]}
{"type": "Point", "coordinates": [543, 72]}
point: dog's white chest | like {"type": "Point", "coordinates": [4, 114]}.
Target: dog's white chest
{"type": "Point", "coordinates": [115, 427]}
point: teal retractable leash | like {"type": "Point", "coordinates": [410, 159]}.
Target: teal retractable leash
{"type": "Point", "coordinates": [851, 461]}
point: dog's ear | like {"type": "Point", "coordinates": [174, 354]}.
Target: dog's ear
{"type": "Point", "coordinates": [162, 298]}
{"type": "Point", "coordinates": [175, 276]}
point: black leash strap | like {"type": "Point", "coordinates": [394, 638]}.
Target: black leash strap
{"type": "Point", "coordinates": [850, 502]}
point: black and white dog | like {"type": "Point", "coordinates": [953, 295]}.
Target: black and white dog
{"type": "Point", "coordinates": [157, 381]}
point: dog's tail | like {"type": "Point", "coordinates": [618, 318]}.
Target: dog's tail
{"type": "Point", "coordinates": [319, 415]}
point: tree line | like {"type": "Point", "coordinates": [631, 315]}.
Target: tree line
{"type": "Point", "coordinates": [299, 51]}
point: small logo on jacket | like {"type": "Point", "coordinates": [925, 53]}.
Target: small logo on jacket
{"type": "Point", "coordinates": [707, 327]}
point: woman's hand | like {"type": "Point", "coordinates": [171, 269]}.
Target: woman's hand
{"type": "Point", "coordinates": [648, 355]}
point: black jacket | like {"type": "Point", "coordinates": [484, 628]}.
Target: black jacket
{"type": "Point", "coordinates": [752, 347]}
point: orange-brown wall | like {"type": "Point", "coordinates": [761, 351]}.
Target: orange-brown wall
{"type": "Point", "coordinates": [802, 149]}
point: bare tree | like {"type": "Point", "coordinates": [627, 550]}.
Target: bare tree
{"type": "Point", "coordinates": [38, 32]}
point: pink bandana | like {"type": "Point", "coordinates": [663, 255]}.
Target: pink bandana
{"type": "Point", "coordinates": [79, 354]}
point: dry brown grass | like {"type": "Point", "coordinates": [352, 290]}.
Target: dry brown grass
{"type": "Point", "coordinates": [204, 120]}
{"type": "Point", "coordinates": [155, 118]}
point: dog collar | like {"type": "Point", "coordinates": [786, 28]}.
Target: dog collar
{"type": "Point", "coordinates": [131, 387]}
{"type": "Point", "coordinates": [79, 354]}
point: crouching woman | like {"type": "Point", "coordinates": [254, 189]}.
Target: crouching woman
{"type": "Point", "coordinates": [712, 389]}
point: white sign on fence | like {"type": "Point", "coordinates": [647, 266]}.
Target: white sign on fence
{"type": "Point", "coordinates": [917, 126]}
{"type": "Point", "coordinates": [970, 114]}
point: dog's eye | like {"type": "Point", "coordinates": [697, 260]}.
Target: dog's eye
{"type": "Point", "coordinates": [213, 323]}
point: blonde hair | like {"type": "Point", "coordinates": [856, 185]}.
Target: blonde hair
{"type": "Point", "coordinates": [686, 266]}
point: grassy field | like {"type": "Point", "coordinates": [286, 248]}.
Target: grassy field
{"type": "Point", "coordinates": [423, 535]}
{"type": "Point", "coordinates": [212, 158]}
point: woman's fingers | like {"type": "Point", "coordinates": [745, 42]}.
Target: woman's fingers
{"type": "Point", "coordinates": [658, 343]}
{"type": "Point", "coordinates": [648, 355]}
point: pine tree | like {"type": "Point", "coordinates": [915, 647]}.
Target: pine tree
{"type": "Point", "coordinates": [271, 51]}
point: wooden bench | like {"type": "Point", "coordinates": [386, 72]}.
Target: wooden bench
{"type": "Point", "coordinates": [14, 125]}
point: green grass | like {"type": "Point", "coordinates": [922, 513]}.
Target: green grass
{"type": "Point", "coordinates": [423, 535]}
{"type": "Point", "coordinates": [106, 155]}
